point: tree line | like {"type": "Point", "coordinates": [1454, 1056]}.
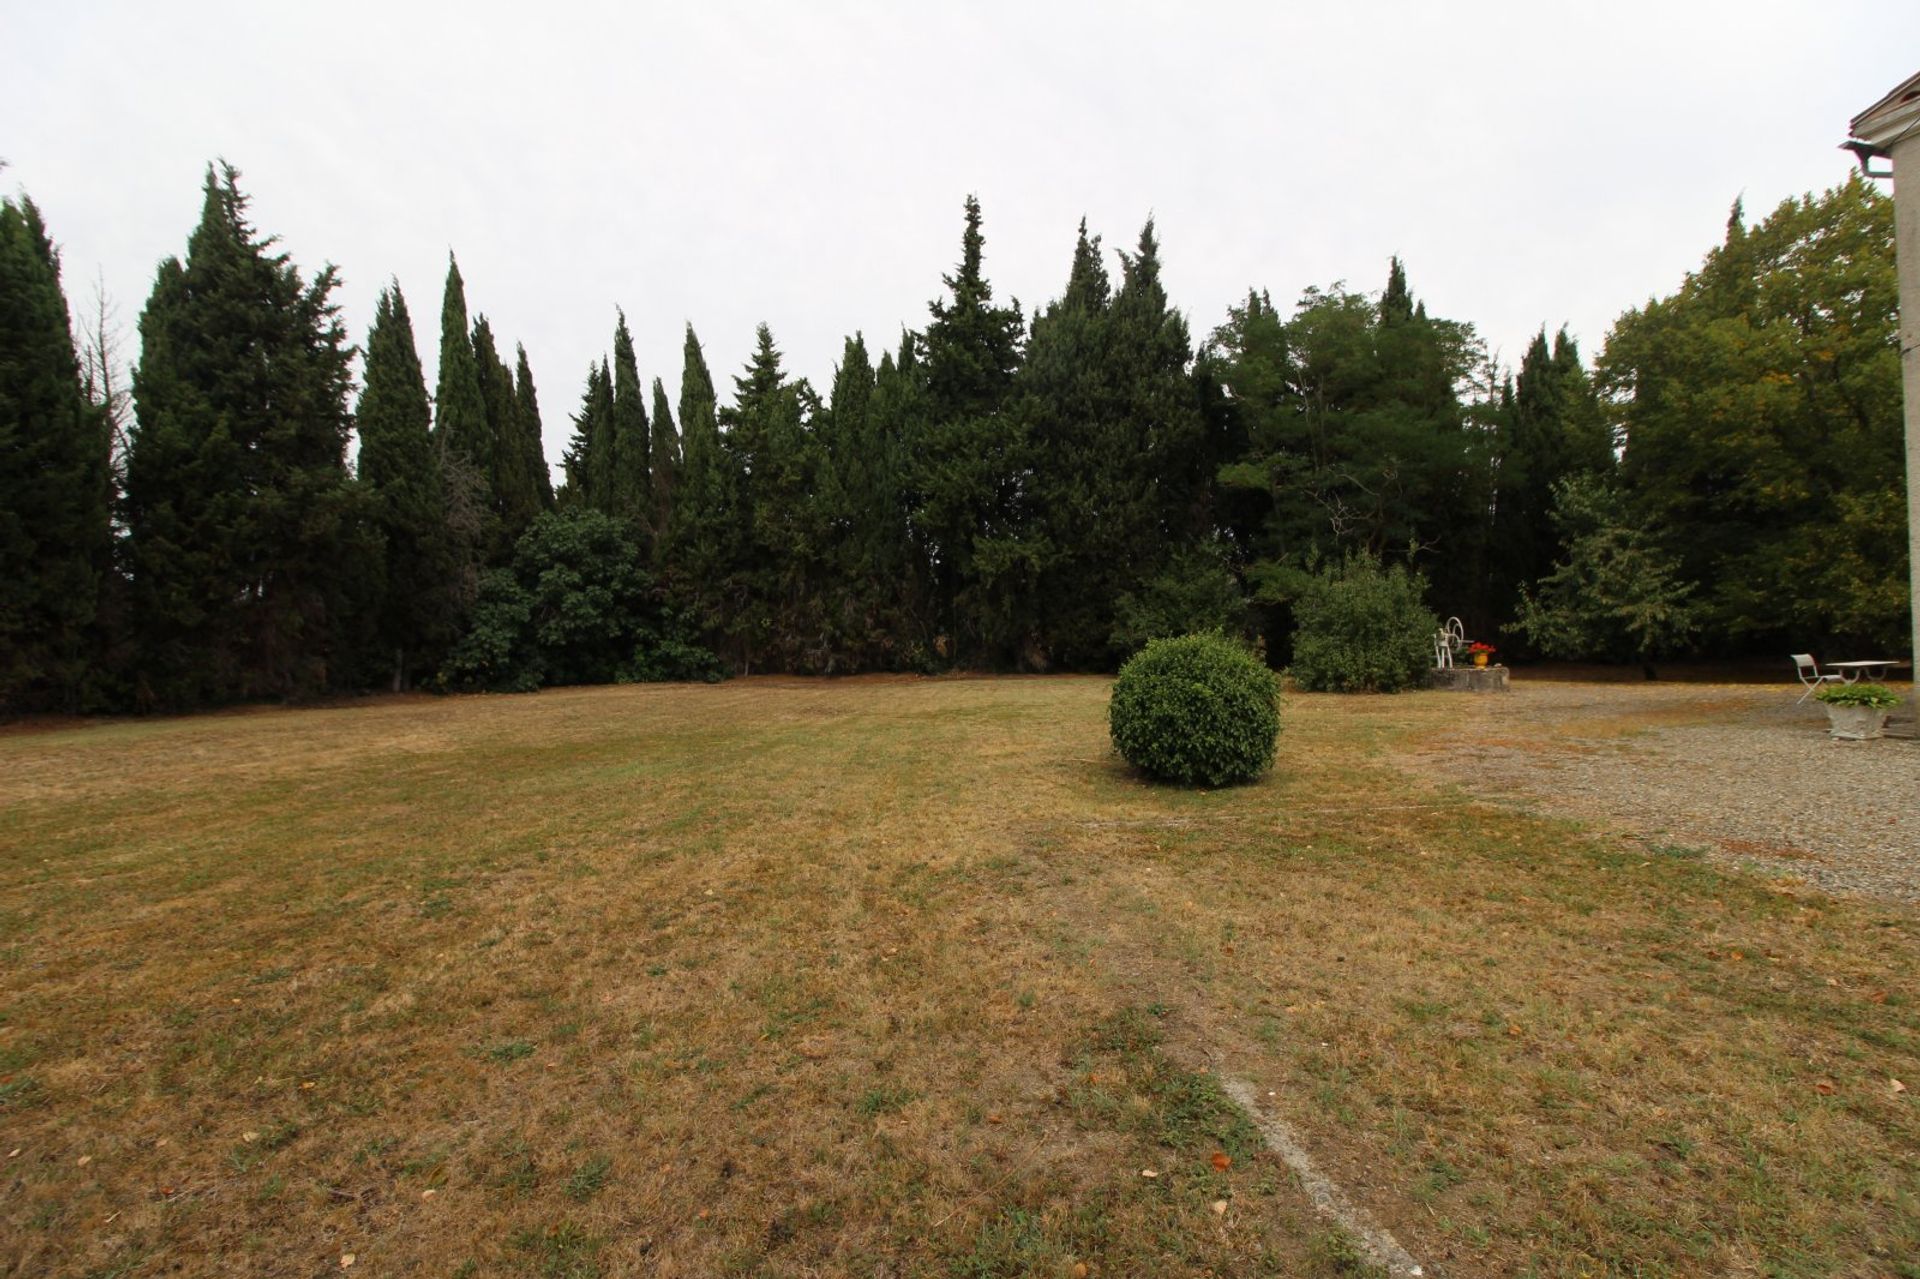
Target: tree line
{"type": "Point", "coordinates": [999, 489]}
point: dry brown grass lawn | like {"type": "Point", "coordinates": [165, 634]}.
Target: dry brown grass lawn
{"type": "Point", "coordinates": [899, 978]}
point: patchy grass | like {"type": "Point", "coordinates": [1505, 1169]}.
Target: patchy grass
{"type": "Point", "coordinates": [894, 976]}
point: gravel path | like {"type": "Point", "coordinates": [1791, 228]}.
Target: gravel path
{"type": "Point", "coordinates": [1735, 770]}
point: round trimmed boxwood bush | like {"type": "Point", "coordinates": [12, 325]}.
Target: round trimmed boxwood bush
{"type": "Point", "coordinates": [1199, 710]}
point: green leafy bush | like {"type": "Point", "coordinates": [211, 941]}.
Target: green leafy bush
{"type": "Point", "coordinates": [576, 607]}
{"type": "Point", "coordinates": [1877, 696]}
{"type": "Point", "coordinates": [1199, 710]}
{"type": "Point", "coordinates": [1362, 628]}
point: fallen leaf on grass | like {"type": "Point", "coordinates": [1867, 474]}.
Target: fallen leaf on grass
{"type": "Point", "coordinates": [1877, 997]}
{"type": "Point", "coordinates": [1221, 1161]}
{"type": "Point", "coordinates": [346, 1259]}
{"type": "Point", "coordinates": [1148, 1173]}
{"type": "Point", "coordinates": [993, 1119]}
{"type": "Point", "coordinates": [1896, 1085]}
{"type": "Point", "coordinates": [1824, 1087]}
{"type": "Point", "coordinates": [83, 1160]}
{"type": "Point", "coordinates": [1080, 1270]}
{"type": "Point", "coordinates": [1219, 1207]}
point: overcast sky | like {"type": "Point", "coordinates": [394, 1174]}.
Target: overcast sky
{"type": "Point", "coordinates": [805, 163]}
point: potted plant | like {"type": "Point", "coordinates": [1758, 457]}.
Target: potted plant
{"type": "Point", "coordinates": [1857, 712]}
{"type": "Point", "coordinates": [1481, 652]}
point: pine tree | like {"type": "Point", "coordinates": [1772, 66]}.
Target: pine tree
{"type": "Point", "coordinates": [400, 470]}
{"type": "Point", "coordinates": [965, 480]}
{"type": "Point", "coordinates": [780, 579]}
{"type": "Point", "coordinates": [665, 462]}
{"type": "Point", "coordinates": [55, 534]}
{"type": "Point", "coordinates": [236, 483]}
{"type": "Point", "coordinates": [632, 496]}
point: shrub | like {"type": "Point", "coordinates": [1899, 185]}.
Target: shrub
{"type": "Point", "coordinates": [1198, 710]}
{"type": "Point", "coordinates": [576, 607]}
{"type": "Point", "coordinates": [1874, 696]}
{"type": "Point", "coordinates": [1362, 629]}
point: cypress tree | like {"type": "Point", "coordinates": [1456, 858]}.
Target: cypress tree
{"type": "Point", "coordinates": [632, 496]}
{"type": "Point", "coordinates": [704, 536]}
{"type": "Point", "coordinates": [586, 462]}
{"type": "Point", "coordinates": [55, 533]}
{"type": "Point", "coordinates": [1084, 469]}
{"type": "Point", "coordinates": [400, 470]}
{"type": "Point", "coordinates": [507, 482]}
{"type": "Point", "coordinates": [532, 433]}
{"type": "Point", "coordinates": [665, 461]}
{"type": "Point", "coordinates": [460, 402]}
{"type": "Point", "coordinates": [236, 483]}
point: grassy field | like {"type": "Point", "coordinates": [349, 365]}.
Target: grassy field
{"type": "Point", "coordinates": [900, 978]}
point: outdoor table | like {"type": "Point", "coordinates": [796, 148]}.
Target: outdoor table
{"type": "Point", "coordinates": [1874, 668]}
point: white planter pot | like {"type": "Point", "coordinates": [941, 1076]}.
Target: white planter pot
{"type": "Point", "coordinates": [1856, 723]}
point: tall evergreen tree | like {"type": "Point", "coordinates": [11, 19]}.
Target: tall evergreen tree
{"type": "Point", "coordinates": [55, 534]}
{"type": "Point", "coordinates": [774, 452]}
{"type": "Point", "coordinates": [236, 482]}
{"type": "Point", "coordinates": [632, 495]}
{"type": "Point", "coordinates": [460, 402]}
{"type": "Point", "coordinates": [589, 453]}
{"type": "Point", "coordinates": [965, 482]}
{"type": "Point", "coordinates": [508, 480]}
{"type": "Point", "coordinates": [532, 435]}
{"type": "Point", "coordinates": [665, 463]}
{"type": "Point", "coordinates": [1551, 431]}
{"type": "Point", "coordinates": [704, 532]}
{"type": "Point", "coordinates": [399, 467]}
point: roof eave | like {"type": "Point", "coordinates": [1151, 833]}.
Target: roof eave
{"type": "Point", "coordinates": [1892, 117]}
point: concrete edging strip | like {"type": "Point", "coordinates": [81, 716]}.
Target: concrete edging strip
{"type": "Point", "coordinates": [1382, 1248]}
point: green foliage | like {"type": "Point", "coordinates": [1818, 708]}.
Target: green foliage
{"type": "Point", "coordinates": [238, 512]}
{"type": "Point", "coordinates": [1363, 628]}
{"type": "Point", "coordinates": [418, 602]}
{"type": "Point", "coordinates": [1353, 436]}
{"type": "Point", "coordinates": [576, 607]}
{"type": "Point", "coordinates": [1195, 593]}
{"type": "Point", "coordinates": [632, 479]}
{"type": "Point", "coordinates": [1199, 710]}
{"type": "Point", "coordinates": [55, 537]}
{"type": "Point", "coordinates": [1761, 408]}
{"type": "Point", "coordinates": [1613, 594]}
{"type": "Point", "coordinates": [966, 456]}
{"type": "Point", "coordinates": [1875, 696]}
{"type": "Point", "coordinates": [1550, 429]}
{"type": "Point", "coordinates": [665, 462]}
{"type": "Point", "coordinates": [460, 401]}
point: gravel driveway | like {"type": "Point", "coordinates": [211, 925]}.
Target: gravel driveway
{"type": "Point", "coordinates": [1736, 770]}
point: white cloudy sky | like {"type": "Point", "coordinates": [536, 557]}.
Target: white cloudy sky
{"type": "Point", "coordinates": [804, 163]}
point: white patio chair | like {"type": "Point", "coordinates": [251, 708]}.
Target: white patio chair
{"type": "Point", "coordinates": [1810, 674]}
